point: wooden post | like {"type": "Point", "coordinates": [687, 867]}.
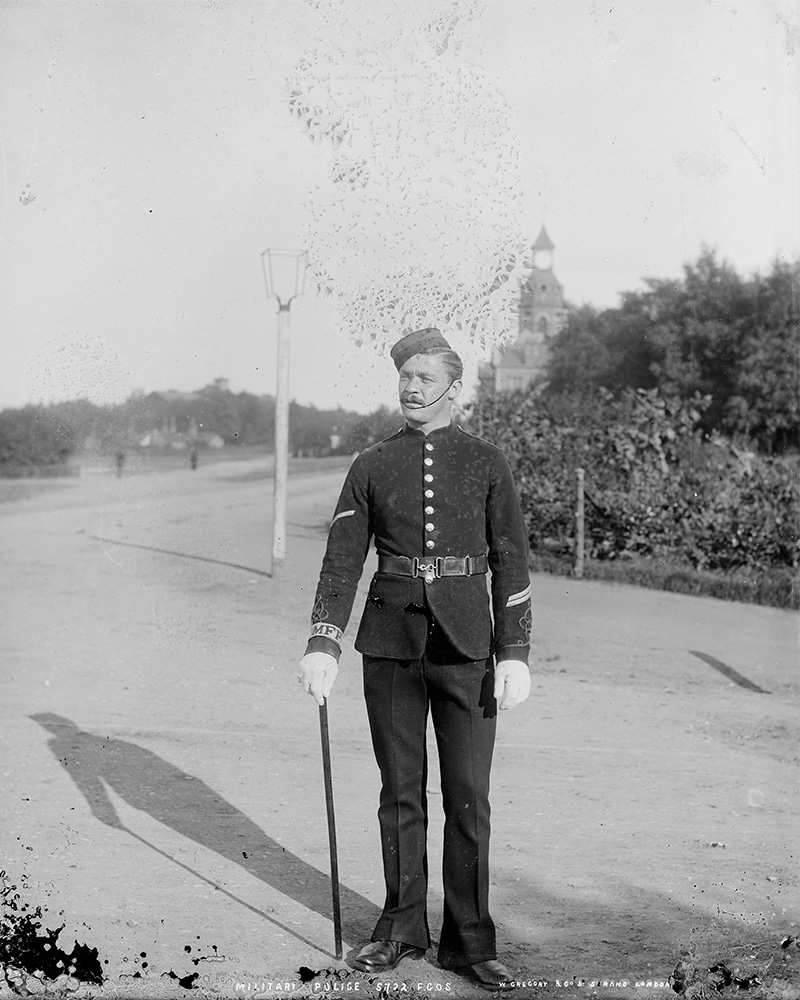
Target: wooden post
{"type": "Point", "coordinates": [281, 469]}
{"type": "Point", "coordinates": [579, 526]}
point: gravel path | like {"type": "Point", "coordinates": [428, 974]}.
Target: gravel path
{"type": "Point", "coordinates": [162, 787]}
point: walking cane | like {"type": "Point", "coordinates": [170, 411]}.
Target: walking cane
{"type": "Point", "coordinates": [326, 770]}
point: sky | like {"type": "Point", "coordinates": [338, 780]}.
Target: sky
{"type": "Point", "coordinates": [147, 157]}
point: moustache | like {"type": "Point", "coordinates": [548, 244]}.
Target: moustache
{"type": "Point", "coordinates": [422, 406]}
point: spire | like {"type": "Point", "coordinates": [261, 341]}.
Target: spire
{"type": "Point", "coordinates": [543, 241]}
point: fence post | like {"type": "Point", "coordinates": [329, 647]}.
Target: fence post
{"type": "Point", "coordinates": [579, 526]}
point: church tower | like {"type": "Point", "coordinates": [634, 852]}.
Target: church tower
{"type": "Point", "coordinates": [542, 315]}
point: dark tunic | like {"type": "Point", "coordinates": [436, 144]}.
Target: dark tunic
{"type": "Point", "coordinates": [445, 494]}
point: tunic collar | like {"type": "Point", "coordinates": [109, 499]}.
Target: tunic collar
{"type": "Point", "coordinates": [442, 433]}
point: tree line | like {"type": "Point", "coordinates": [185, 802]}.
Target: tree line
{"type": "Point", "coordinates": [682, 409]}
{"type": "Point", "coordinates": [732, 341]}
{"type": "Point", "coordinates": [37, 436]}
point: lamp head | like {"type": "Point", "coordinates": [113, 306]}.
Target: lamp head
{"type": "Point", "coordinates": [284, 274]}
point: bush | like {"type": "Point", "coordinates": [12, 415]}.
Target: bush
{"type": "Point", "coordinates": [28, 437]}
{"type": "Point", "coordinates": [655, 487]}
{"type": "Point", "coordinates": [777, 588]}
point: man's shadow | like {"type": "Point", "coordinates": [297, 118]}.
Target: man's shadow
{"type": "Point", "coordinates": [188, 806]}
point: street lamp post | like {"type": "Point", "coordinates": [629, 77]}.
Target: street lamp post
{"type": "Point", "coordinates": [285, 275]}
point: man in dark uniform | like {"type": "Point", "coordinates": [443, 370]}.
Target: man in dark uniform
{"type": "Point", "coordinates": [442, 509]}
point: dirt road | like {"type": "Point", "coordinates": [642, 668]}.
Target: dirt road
{"type": "Point", "coordinates": [162, 787]}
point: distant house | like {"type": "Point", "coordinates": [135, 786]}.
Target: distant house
{"type": "Point", "coordinates": [179, 440]}
{"type": "Point", "coordinates": [175, 428]}
{"type": "Point", "coordinates": [542, 315]}
{"type": "Point", "coordinates": [173, 396]}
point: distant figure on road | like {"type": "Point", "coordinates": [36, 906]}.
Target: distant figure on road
{"type": "Point", "coordinates": [443, 510]}
{"type": "Point", "coordinates": [120, 463]}
{"type": "Point", "coordinates": [193, 458]}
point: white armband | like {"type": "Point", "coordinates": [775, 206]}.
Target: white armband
{"type": "Point", "coordinates": [328, 631]}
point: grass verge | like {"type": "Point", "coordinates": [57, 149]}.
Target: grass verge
{"type": "Point", "coordinates": [779, 588]}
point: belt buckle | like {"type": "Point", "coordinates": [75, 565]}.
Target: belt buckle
{"type": "Point", "coordinates": [430, 571]}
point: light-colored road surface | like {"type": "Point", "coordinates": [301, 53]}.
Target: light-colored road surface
{"type": "Point", "coordinates": [162, 785]}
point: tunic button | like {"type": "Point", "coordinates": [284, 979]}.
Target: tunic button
{"type": "Point", "coordinates": [429, 526]}
{"type": "Point", "coordinates": [429, 461]}
{"type": "Point", "coordinates": [429, 493]}
{"type": "Point", "coordinates": [429, 544]}
{"type": "Point", "coordinates": [429, 510]}
{"type": "Point", "coordinates": [429, 447]}
{"type": "Point", "coordinates": [429, 478]}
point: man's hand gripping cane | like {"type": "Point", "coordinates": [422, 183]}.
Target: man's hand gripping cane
{"type": "Point", "coordinates": [317, 673]}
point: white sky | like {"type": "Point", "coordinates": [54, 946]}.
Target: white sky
{"type": "Point", "coordinates": [147, 158]}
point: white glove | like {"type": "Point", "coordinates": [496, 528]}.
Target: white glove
{"type": "Point", "coordinates": [512, 683]}
{"type": "Point", "coordinates": [317, 672]}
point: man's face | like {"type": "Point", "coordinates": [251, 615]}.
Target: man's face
{"type": "Point", "coordinates": [425, 391]}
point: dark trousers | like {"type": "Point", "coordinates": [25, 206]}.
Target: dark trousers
{"type": "Point", "coordinates": [460, 696]}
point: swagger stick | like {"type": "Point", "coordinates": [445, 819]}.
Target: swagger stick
{"type": "Point", "coordinates": [326, 770]}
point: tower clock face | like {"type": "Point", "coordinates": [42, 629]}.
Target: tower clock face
{"type": "Point", "coordinates": [543, 260]}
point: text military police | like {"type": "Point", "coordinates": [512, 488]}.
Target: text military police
{"type": "Point", "coordinates": [443, 510]}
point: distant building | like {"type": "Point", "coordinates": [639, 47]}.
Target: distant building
{"type": "Point", "coordinates": [172, 396]}
{"type": "Point", "coordinates": [174, 426]}
{"type": "Point", "coordinates": [542, 315]}
{"type": "Point", "coordinates": [169, 437]}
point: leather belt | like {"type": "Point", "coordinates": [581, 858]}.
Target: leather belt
{"type": "Point", "coordinates": [432, 569]}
